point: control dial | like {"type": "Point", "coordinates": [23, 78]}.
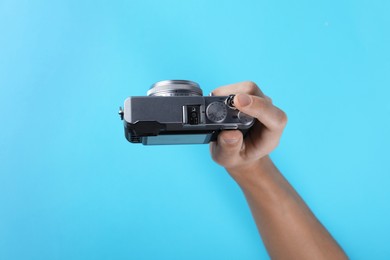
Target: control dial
{"type": "Point", "coordinates": [244, 118]}
{"type": "Point", "coordinates": [216, 112]}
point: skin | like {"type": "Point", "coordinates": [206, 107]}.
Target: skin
{"type": "Point", "coordinates": [288, 228]}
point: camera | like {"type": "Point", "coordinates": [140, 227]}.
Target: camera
{"type": "Point", "coordinates": [176, 112]}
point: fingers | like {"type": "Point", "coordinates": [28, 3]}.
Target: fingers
{"type": "Point", "coordinates": [227, 147]}
{"type": "Point", "coordinates": [261, 108]}
{"type": "Point", "coordinates": [230, 149]}
{"type": "Point", "coordinates": [247, 87]}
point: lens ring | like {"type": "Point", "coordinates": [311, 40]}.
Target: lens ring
{"type": "Point", "coordinates": [175, 88]}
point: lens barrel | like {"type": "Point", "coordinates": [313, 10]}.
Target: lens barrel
{"type": "Point", "coordinates": [167, 88]}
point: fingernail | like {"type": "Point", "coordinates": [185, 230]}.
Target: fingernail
{"type": "Point", "coordinates": [244, 100]}
{"type": "Point", "coordinates": [230, 141]}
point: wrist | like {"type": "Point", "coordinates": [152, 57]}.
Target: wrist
{"type": "Point", "coordinates": [252, 173]}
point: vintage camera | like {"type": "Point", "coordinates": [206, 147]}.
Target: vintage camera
{"type": "Point", "coordinates": [176, 112]}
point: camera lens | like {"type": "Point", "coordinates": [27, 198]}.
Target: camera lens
{"type": "Point", "coordinates": [176, 88]}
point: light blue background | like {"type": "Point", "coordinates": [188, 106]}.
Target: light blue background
{"type": "Point", "coordinates": [72, 187]}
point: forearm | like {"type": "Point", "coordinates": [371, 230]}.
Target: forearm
{"type": "Point", "coordinates": [287, 226]}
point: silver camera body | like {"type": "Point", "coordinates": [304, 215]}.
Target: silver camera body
{"type": "Point", "coordinates": [176, 112]}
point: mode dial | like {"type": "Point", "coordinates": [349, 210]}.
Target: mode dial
{"type": "Point", "coordinates": [216, 112]}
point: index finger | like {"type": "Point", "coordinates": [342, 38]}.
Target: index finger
{"type": "Point", "coordinates": [247, 87]}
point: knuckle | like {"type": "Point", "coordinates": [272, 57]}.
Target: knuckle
{"type": "Point", "coordinates": [216, 92]}
{"type": "Point", "coordinates": [215, 158]}
{"type": "Point", "coordinates": [250, 86]}
{"type": "Point", "coordinates": [268, 98]}
{"type": "Point", "coordinates": [258, 102]}
{"type": "Point", "coordinates": [221, 159]}
{"type": "Point", "coordinates": [274, 145]}
{"type": "Point", "coordinates": [281, 119]}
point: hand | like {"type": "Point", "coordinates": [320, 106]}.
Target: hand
{"type": "Point", "coordinates": [287, 226]}
{"type": "Point", "coordinates": [231, 150]}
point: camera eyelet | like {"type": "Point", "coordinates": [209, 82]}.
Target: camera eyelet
{"type": "Point", "coordinates": [230, 101]}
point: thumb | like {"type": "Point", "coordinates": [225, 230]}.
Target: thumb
{"type": "Point", "coordinates": [262, 109]}
{"type": "Point", "coordinates": [227, 147]}
{"type": "Point", "coordinates": [243, 101]}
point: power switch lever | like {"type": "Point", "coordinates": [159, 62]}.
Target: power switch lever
{"type": "Point", "coordinates": [229, 101]}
